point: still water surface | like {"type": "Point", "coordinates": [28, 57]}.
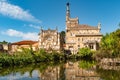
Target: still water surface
{"type": "Point", "coordinates": [80, 70]}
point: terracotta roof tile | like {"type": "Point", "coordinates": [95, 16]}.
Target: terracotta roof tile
{"type": "Point", "coordinates": [25, 42]}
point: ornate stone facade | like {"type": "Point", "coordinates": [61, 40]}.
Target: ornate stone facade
{"type": "Point", "coordinates": [79, 36]}
{"type": "Point", "coordinates": [49, 40]}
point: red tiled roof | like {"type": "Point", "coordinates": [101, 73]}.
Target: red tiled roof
{"type": "Point", "coordinates": [25, 42]}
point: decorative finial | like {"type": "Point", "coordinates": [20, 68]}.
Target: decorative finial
{"type": "Point", "coordinates": [68, 6]}
{"type": "Point", "coordinates": [68, 3]}
{"type": "Point", "coordinates": [99, 25]}
{"type": "Point", "coordinates": [56, 28]}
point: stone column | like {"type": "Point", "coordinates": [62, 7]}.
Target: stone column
{"type": "Point", "coordinates": [94, 47]}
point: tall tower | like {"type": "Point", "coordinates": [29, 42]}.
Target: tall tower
{"type": "Point", "coordinates": [67, 12]}
{"type": "Point", "coordinates": [70, 22]}
{"type": "Point", "coordinates": [67, 15]}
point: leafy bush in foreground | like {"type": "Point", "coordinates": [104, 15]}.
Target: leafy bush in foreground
{"type": "Point", "coordinates": [85, 52]}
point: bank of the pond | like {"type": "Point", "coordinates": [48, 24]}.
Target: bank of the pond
{"type": "Point", "coordinates": [28, 56]}
{"type": "Point", "coordinates": [24, 58]}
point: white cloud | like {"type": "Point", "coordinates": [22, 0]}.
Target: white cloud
{"type": "Point", "coordinates": [16, 12]}
{"type": "Point", "coordinates": [34, 26]}
{"type": "Point", "coordinates": [25, 36]}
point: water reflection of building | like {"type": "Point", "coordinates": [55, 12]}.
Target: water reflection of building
{"type": "Point", "coordinates": [73, 72]}
{"type": "Point", "coordinates": [51, 73]}
{"type": "Point", "coordinates": [69, 71]}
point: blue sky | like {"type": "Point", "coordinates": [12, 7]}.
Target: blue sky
{"type": "Point", "coordinates": [22, 19]}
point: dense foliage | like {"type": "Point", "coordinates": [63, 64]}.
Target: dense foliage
{"type": "Point", "coordinates": [109, 74]}
{"type": "Point", "coordinates": [62, 39]}
{"type": "Point", "coordinates": [62, 35]}
{"type": "Point", "coordinates": [86, 64]}
{"type": "Point", "coordinates": [4, 42]}
{"type": "Point", "coordinates": [85, 52]}
{"type": "Point", "coordinates": [110, 45]}
{"type": "Point", "coordinates": [28, 56]}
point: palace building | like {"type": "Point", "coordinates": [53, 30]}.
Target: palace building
{"type": "Point", "coordinates": [79, 35]}
{"type": "Point", "coordinates": [76, 36]}
{"type": "Point", "coordinates": [49, 40]}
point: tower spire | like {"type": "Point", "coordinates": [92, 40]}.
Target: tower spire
{"type": "Point", "coordinates": [68, 11]}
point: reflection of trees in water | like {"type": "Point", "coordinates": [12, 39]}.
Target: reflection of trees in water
{"type": "Point", "coordinates": [61, 71]}
{"type": "Point", "coordinates": [40, 67]}
{"type": "Point", "coordinates": [86, 64]}
{"type": "Point", "coordinates": [22, 69]}
{"type": "Point", "coordinates": [109, 74]}
{"type": "Point", "coordinates": [14, 69]}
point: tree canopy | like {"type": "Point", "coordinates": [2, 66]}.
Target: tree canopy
{"type": "Point", "coordinates": [110, 44]}
{"type": "Point", "coordinates": [4, 42]}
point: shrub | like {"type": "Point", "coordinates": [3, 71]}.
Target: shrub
{"type": "Point", "coordinates": [85, 52]}
{"type": "Point", "coordinates": [86, 64]}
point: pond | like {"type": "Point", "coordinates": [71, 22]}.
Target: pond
{"type": "Point", "coordinates": [78, 70]}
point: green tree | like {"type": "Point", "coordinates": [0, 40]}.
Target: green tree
{"type": "Point", "coordinates": [4, 42]}
{"type": "Point", "coordinates": [85, 52]}
{"type": "Point", "coordinates": [62, 34]}
{"type": "Point", "coordinates": [86, 64]}
{"type": "Point", "coordinates": [110, 45]}
{"type": "Point", "coordinates": [62, 38]}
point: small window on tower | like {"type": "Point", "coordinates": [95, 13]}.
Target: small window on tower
{"type": "Point", "coordinates": [70, 34]}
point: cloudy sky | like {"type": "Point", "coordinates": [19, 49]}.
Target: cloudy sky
{"type": "Point", "coordinates": [22, 19]}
